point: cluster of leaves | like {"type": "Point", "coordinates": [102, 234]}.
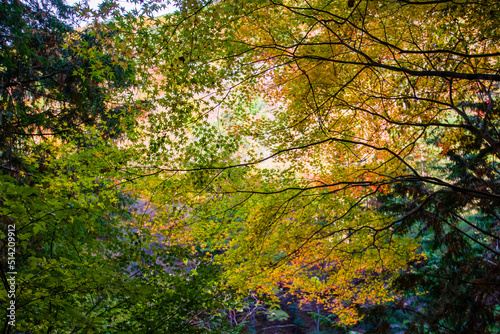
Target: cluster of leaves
{"type": "Point", "coordinates": [83, 261]}
{"type": "Point", "coordinates": [364, 98]}
{"type": "Point", "coordinates": [456, 288]}
{"type": "Point", "coordinates": [367, 176]}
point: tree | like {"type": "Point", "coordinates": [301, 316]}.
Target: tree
{"type": "Point", "coordinates": [363, 98]}
{"type": "Point", "coordinates": [79, 260]}
{"type": "Point", "coordinates": [380, 121]}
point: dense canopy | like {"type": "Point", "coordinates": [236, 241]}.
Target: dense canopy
{"type": "Point", "coordinates": [341, 156]}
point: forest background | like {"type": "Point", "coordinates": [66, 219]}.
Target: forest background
{"type": "Point", "coordinates": [250, 167]}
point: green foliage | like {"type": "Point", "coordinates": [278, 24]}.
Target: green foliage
{"type": "Point", "coordinates": [344, 152]}
{"type": "Point", "coordinates": [277, 315]}
{"type": "Point", "coordinates": [83, 261]}
{"type": "Point", "coordinates": [454, 288]}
